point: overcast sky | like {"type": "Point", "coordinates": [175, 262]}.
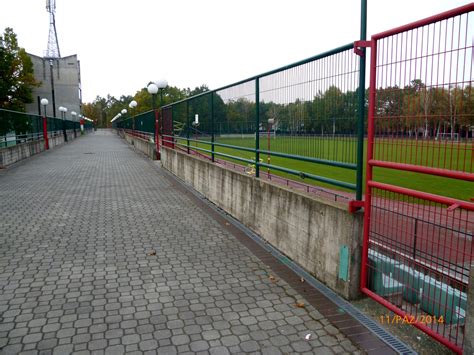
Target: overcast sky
{"type": "Point", "coordinates": [122, 45]}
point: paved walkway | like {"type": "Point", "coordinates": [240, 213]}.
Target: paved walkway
{"type": "Point", "coordinates": [79, 227]}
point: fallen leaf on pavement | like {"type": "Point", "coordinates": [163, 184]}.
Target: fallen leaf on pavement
{"type": "Point", "coordinates": [299, 305]}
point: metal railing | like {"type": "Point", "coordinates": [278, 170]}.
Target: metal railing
{"type": "Point", "coordinates": [144, 122]}
{"type": "Point", "coordinates": [281, 120]}
{"type": "Point", "coordinates": [19, 127]}
{"type": "Point", "coordinates": [148, 136]}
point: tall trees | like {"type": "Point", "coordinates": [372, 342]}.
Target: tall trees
{"type": "Point", "coordinates": [16, 83]}
{"type": "Point", "coordinates": [434, 110]}
{"type": "Point", "coordinates": [103, 109]}
{"type": "Point", "coordinates": [416, 110]}
{"type": "Point", "coordinates": [16, 73]}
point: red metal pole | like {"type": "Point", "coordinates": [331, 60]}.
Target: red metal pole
{"type": "Point", "coordinates": [45, 133]}
{"type": "Point", "coordinates": [157, 136]}
{"type": "Point", "coordinates": [370, 152]}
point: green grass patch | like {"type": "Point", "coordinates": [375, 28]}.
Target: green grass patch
{"type": "Point", "coordinates": [343, 149]}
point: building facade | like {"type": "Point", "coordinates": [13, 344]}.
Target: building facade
{"type": "Point", "coordinates": [60, 83]}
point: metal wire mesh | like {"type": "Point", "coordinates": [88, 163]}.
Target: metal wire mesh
{"type": "Point", "coordinates": [19, 127]}
{"type": "Point", "coordinates": [419, 258]}
{"type": "Point", "coordinates": [418, 240]}
{"type": "Point", "coordinates": [424, 99]}
{"type": "Point", "coordinates": [313, 107]}
{"type": "Point", "coordinates": [142, 123]}
{"type": "Point", "coordinates": [300, 120]}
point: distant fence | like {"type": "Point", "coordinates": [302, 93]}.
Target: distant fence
{"type": "Point", "coordinates": [19, 127]}
{"type": "Point", "coordinates": [142, 125]}
{"type": "Point", "coordinates": [306, 112]}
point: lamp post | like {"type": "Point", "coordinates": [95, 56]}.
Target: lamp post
{"type": "Point", "coordinates": [44, 103]}
{"type": "Point", "coordinates": [161, 84]}
{"type": "Point", "coordinates": [53, 96]}
{"type": "Point", "coordinates": [74, 114]}
{"type": "Point", "coordinates": [132, 106]}
{"type": "Point", "coordinates": [153, 90]}
{"type": "Point", "coordinates": [119, 123]}
{"type": "Point", "coordinates": [81, 123]}
{"type": "Point", "coordinates": [63, 111]}
{"type": "Point", "coordinates": [123, 112]}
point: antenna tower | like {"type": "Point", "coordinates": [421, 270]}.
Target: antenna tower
{"type": "Point", "coordinates": [53, 44]}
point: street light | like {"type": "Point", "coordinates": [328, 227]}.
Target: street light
{"type": "Point", "coordinates": [45, 103]}
{"type": "Point", "coordinates": [63, 111]}
{"type": "Point", "coordinates": [123, 112]}
{"type": "Point", "coordinates": [162, 83]}
{"type": "Point", "coordinates": [81, 122]}
{"type": "Point", "coordinates": [132, 106]}
{"type": "Point", "coordinates": [152, 90]}
{"type": "Point", "coordinates": [74, 114]}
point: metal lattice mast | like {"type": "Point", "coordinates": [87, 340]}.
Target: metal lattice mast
{"type": "Point", "coordinates": [53, 44]}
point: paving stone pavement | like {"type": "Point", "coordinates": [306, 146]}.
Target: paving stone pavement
{"type": "Point", "coordinates": [77, 227]}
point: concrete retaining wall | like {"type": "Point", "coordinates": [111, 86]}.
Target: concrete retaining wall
{"type": "Point", "coordinates": [321, 236]}
{"type": "Point", "coordinates": [140, 144]}
{"type": "Point", "coordinates": [13, 154]}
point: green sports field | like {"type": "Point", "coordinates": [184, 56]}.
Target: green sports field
{"type": "Point", "coordinates": [455, 156]}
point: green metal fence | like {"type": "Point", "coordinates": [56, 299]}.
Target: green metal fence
{"type": "Point", "coordinates": [88, 126]}
{"type": "Point", "coordinates": [18, 127]}
{"type": "Point", "coordinates": [303, 120]}
{"type": "Point", "coordinates": [143, 123]}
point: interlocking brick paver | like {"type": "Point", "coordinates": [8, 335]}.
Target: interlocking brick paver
{"type": "Point", "coordinates": [78, 275]}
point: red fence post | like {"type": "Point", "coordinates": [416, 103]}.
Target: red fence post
{"type": "Point", "coordinates": [45, 133]}
{"type": "Point", "coordinates": [368, 171]}
{"type": "Point", "coordinates": [157, 135]}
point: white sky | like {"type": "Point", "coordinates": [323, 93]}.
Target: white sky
{"type": "Point", "coordinates": [122, 45]}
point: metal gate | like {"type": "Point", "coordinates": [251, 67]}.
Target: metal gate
{"type": "Point", "coordinates": [419, 214]}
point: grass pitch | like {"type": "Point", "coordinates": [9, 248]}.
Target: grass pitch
{"type": "Point", "coordinates": [448, 155]}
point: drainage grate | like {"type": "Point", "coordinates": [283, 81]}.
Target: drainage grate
{"type": "Point", "coordinates": [389, 339]}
